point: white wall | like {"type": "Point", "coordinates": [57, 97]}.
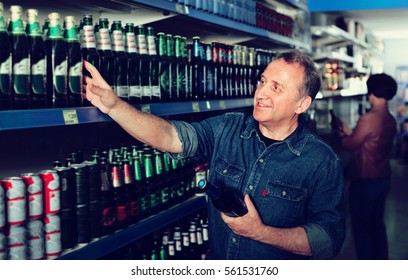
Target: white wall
{"type": "Point", "coordinates": [395, 54]}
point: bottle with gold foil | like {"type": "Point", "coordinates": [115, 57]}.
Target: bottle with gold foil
{"type": "Point", "coordinates": [56, 64]}
{"type": "Point", "coordinates": [20, 60]}
{"type": "Point", "coordinates": [38, 70]}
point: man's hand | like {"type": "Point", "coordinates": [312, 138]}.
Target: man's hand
{"type": "Point", "coordinates": [250, 225]}
{"type": "Point", "coordinates": [98, 91]}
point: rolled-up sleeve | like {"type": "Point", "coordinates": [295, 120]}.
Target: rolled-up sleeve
{"type": "Point", "coordinates": [188, 137]}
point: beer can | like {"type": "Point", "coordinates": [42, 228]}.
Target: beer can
{"type": "Point", "coordinates": [2, 209]}
{"type": "Point", "coordinates": [3, 246]}
{"type": "Point", "coordinates": [15, 197]}
{"type": "Point", "coordinates": [34, 187]}
{"type": "Point", "coordinates": [35, 238]}
{"type": "Point", "coordinates": [52, 225]}
{"type": "Point", "coordinates": [51, 184]}
{"type": "Point", "coordinates": [17, 243]}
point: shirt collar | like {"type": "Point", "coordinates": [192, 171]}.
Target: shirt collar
{"type": "Point", "coordinates": [295, 142]}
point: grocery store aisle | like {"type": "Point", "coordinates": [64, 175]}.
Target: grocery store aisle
{"type": "Point", "coordinates": [396, 218]}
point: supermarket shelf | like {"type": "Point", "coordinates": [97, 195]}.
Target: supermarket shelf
{"type": "Point", "coordinates": [343, 92]}
{"type": "Point", "coordinates": [229, 24]}
{"type": "Point", "coordinates": [108, 244]}
{"type": "Point", "coordinates": [23, 119]}
{"type": "Point", "coordinates": [332, 35]}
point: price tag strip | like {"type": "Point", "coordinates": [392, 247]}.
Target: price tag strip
{"type": "Point", "coordinates": [70, 117]}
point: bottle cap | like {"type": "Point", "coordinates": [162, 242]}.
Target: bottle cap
{"type": "Point", "coordinates": [202, 184]}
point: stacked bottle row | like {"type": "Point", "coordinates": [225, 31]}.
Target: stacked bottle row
{"type": "Point", "coordinates": [44, 69]}
{"type": "Point", "coordinates": [187, 239]}
{"type": "Point", "coordinates": [48, 213]}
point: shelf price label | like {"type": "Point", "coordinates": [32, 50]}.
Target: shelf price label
{"type": "Point", "coordinates": [196, 107]}
{"type": "Point", "coordinates": [249, 102]}
{"type": "Point", "coordinates": [146, 108]}
{"type": "Point", "coordinates": [70, 117]}
{"type": "Point", "coordinates": [180, 8]}
{"type": "Point", "coordinates": [222, 105]}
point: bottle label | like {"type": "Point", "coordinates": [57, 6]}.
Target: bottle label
{"type": "Point", "coordinates": [153, 200]}
{"type": "Point", "coordinates": [131, 43]}
{"type": "Point", "coordinates": [142, 44]}
{"type": "Point", "coordinates": [5, 76]}
{"type": "Point", "coordinates": [135, 91]}
{"type": "Point", "coordinates": [156, 91]}
{"type": "Point", "coordinates": [88, 37]}
{"type": "Point", "coordinates": [75, 78]}
{"type": "Point", "coordinates": [146, 91]}
{"type": "Point", "coordinates": [39, 67]}
{"type": "Point", "coordinates": [21, 72]}
{"type": "Point", "coordinates": [38, 72]}
{"type": "Point", "coordinates": [59, 78]}
{"type": "Point", "coordinates": [122, 91]}
{"type": "Point", "coordinates": [117, 41]}
{"type": "Point", "coordinates": [104, 42]}
{"type": "Point", "coordinates": [2, 211]}
{"type": "Point", "coordinates": [151, 45]}
{"type": "Point", "coordinates": [52, 236]}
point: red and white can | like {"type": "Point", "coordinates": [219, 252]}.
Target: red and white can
{"type": "Point", "coordinates": [3, 246]}
{"type": "Point", "coordinates": [17, 243]}
{"type": "Point", "coordinates": [35, 239]}
{"type": "Point", "coordinates": [52, 225]}
{"type": "Point", "coordinates": [2, 209]}
{"type": "Point", "coordinates": [51, 184]}
{"type": "Point", "coordinates": [34, 187]}
{"type": "Point", "coordinates": [15, 197]}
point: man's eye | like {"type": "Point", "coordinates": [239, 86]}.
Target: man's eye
{"type": "Point", "coordinates": [277, 88]}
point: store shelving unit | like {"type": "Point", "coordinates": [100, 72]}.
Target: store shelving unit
{"type": "Point", "coordinates": [108, 244]}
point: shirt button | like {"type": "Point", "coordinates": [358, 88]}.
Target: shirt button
{"type": "Point", "coordinates": [225, 171]}
{"type": "Point", "coordinates": [251, 187]}
{"type": "Point", "coordinates": [234, 240]}
{"type": "Point", "coordinates": [284, 193]}
{"type": "Point", "coordinates": [261, 160]}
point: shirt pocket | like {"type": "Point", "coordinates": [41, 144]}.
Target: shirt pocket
{"type": "Point", "coordinates": [283, 204]}
{"type": "Point", "coordinates": [225, 173]}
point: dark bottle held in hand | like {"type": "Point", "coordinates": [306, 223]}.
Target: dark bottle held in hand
{"type": "Point", "coordinates": [227, 200]}
{"type": "Point", "coordinates": [335, 122]}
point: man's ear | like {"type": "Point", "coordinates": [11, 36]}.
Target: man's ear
{"type": "Point", "coordinates": [304, 104]}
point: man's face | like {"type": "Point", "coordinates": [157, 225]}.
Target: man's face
{"type": "Point", "coordinates": [277, 97]}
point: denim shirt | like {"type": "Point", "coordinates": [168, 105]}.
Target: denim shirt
{"type": "Point", "coordinates": [294, 182]}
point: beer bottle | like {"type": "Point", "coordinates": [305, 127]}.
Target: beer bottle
{"type": "Point", "coordinates": [151, 189]}
{"type": "Point", "coordinates": [120, 197]}
{"type": "Point", "coordinates": [120, 83]}
{"type": "Point", "coordinates": [163, 190]}
{"type": "Point", "coordinates": [194, 251]}
{"type": "Point", "coordinates": [215, 65]}
{"type": "Point", "coordinates": [56, 64]}
{"type": "Point", "coordinates": [5, 65]}
{"type": "Point", "coordinates": [131, 191]}
{"type": "Point", "coordinates": [230, 79]}
{"type": "Point", "coordinates": [45, 28]}
{"type": "Point", "coordinates": [144, 64]}
{"type": "Point", "coordinates": [222, 61]}
{"type": "Point", "coordinates": [235, 71]}
{"type": "Point", "coordinates": [164, 68]}
{"type": "Point", "coordinates": [104, 49]}
{"type": "Point", "coordinates": [187, 249]}
{"type": "Point", "coordinates": [107, 198]}
{"type": "Point", "coordinates": [197, 71]}
{"type": "Point", "coordinates": [88, 47]}
{"type": "Point", "coordinates": [172, 68]}
{"type": "Point", "coordinates": [210, 72]}
{"type": "Point", "coordinates": [252, 82]}
{"type": "Point", "coordinates": [38, 71]}
{"type": "Point", "coordinates": [186, 58]}
{"type": "Point", "coordinates": [20, 60]}
{"type": "Point", "coordinates": [137, 190]}
{"type": "Point", "coordinates": [178, 247]}
{"type": "Point", "coordinates": [171, 250]}
{"type": "Point", "coordinates": [74, 56]}
{"type": "Point", "coordinates": [154, 66]}
{"type": "Point", "coordinates": [135, 89]}
{"type": "Point", "coordinates": [180, 70]}
{"type": "Point", "coordinates": [227, 200]}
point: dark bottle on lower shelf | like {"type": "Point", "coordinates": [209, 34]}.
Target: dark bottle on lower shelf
{"type": "Point", "coordinates": [227, 200]}
{"type": "Point", "coordinates": [5, 66]}
{"type": "Point", "coordinates": [107, 199]}
{"type": "Point", "coordinates": [120, 197]}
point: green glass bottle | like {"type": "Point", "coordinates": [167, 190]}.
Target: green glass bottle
{"type": "Point", "coordinates": [88, 47]}
{"type": "Point", "coordinates": [56, 64]}
{"type": "Point", "coordinates": [38, 70]}
{"type": "Point", "coordinates": [154, 65]}
{"type": "Point", "coordinates": [151, 190]}
{"type": "Point", "coordinates": [135, 88]}
{"type": "Point", "coordinates": [164, 70]}
{"type": "Point", "coordinates": [5, 65]}
{"type": "Point", "coordinates": [210, 74]}
{"type": "Point", "coordinates": [104, 49]}
{"type": "Point", "coordinates": [197, 70]}
{"type": "Point", "coordinates": [20, 60]}
{"type": "Point", "coordinates": [180, 70]}
{"type": "Point", "coordinates": [74, 57]}
{"type": "Point", "coordinates": [144, 65]}
{"type": "Point", "coordinates": [172, 68]}
{"type": "Point", "coordinates": [121, 84]}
